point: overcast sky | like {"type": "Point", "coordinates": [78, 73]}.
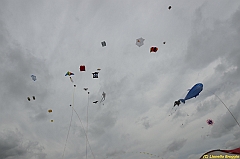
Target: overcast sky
{"type": "Point", "coordinates": [48, 38]}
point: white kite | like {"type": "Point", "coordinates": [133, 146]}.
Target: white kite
{"type": "Point", "coordinates": [139, 42]}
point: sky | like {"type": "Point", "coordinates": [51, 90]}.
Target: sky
{"type": "Point", "coordinates": [48, 38]}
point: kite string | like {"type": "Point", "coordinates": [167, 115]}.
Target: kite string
{"type": "Point", "coordinates": [84, 132]}
{"type": "Point", "coordinates": [227, 108]}
{"type": "Point", "coordinates": [87, 125]}
{"type": "Point", "coordinates": [69, 125]}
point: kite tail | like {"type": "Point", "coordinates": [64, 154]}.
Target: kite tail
{"type": "Point", "coordinates": [182, 100]}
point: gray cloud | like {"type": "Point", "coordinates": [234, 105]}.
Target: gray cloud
{"type": "Point", "coordinates": [176, 145]}
{"type": "Point", "coordinates": [13, 145]}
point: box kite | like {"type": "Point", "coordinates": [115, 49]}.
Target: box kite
{"type": "Point", "coordinates": [82, 68]}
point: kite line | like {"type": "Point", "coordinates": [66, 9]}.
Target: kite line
{"type": "Point", "coordinates": [84, 132]}
{"type": "Point", "coordinates": [227, 109]}
{"type": "Point", "coordinates": [69, 124]}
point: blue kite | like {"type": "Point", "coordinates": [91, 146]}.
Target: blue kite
{"type": "Point", "coordinates": [193, 92]}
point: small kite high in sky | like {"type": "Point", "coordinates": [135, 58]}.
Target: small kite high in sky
{"type": "Point", "coordinates": [69, 73]}
{"type": "Point", "coordinates": [153, 49]}
{"type": "Point", "coordinates": [193, 92]}
{"type": "Point", "coordinates": [103, 97]}
{"type": "Point", "coordinates": [169, 7]}
{"type": "Point", "coordinates": [103, 43]}
{"type": "Point", "coordinates": [139, 42]}
{"type": "Point", "coordinates": [95, 74]}
{"type": "Point", "coordinates": [34, 78]}
{"type": "Point", "coordinates": [209, 122]}
{"type": "Point", "coordinates": [82, 68]}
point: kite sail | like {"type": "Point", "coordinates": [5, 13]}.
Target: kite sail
{"type": "Point", "coordinates": [139, 42]}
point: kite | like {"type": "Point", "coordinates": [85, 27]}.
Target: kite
{"type": "Point", "coordinates": [139, 42]}
{"type": "Point", "coordinates": [99, 69]}
{"type": "Point", "coordinates": [34, 98]}
{"type": "Point", "coordinates": [95, 102]}
{"type": "Point", "coordinates": [164, 42]}
{"type": "Point", "coordinates": [51, 120]}
{"type": "Point", "coordinates": [95, 74]}
{"type": "Point", "coordinates": [50, 111]}
{"type": "Point", "coordinates": [69, 73]}
{"type": "Point", "coordinates": [103, 97]}
{"type": "Point", "coordinates": [34, 78]}
{"type": "Point", "coordinates": [85, 89]}
{"type": "Point", "coordinates": [193, 92]}
{"type": "Point", "coordinates": [153, 49]}
{"type": "Point", "coordinates": [104, 43]}
{"type": "Point", "coordinates": [28, 98]}
{"type": "Point", "coordinates": [169, 7]}
{"type": "Point", "coordinates": [82, 68]}
{"type": "Point", "coordinates": [209, 122]}
{"type": "Point", "coordinates": [235, 153]}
